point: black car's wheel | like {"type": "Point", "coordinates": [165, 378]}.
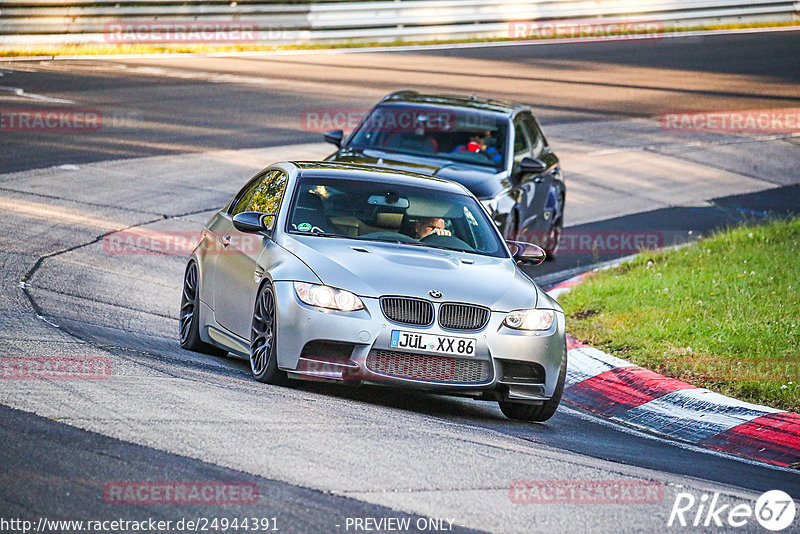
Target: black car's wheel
{"type": "Point", "coordinates": [188, 323]}
{"type": "Point", "coordinates": [553, 238]}
{"type": "Point", "coordinates": [542, 412]}
{"type": "Point", "coordinates": [263, 339]}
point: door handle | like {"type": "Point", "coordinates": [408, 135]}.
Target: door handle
{"type": "Point", "coordinates": [225, 241]}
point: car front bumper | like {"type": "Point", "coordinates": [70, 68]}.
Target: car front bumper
{"type": "Point", "coordinates": [363, 352]}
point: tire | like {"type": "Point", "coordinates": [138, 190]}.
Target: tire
{"type": "Point", "coordinates": [263, 339]}
{"type": "Point", "coordinates": [538, 413]}
{"type": "Point", "coordinates": [188, 325]}
{"type": "Point", "coordinates": [551, 242]}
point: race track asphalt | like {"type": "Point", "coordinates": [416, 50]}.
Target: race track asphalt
{"type": "Point", "coordinates": [183, 134]}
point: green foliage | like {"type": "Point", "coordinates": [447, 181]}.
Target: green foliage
{"type": "Point", "coordinates": [722, 313]}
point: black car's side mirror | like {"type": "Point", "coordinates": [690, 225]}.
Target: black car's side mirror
{"type": "Point", "coordinates": [532, 166]}
{"type": "Point", "coordinates": [334, 137]}
{"type": "Point", "coordinates": [251, 221]}
{"type": "Point", "coordinates": [527, 253]}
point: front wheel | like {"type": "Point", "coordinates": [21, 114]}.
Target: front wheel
{"type": "Point", "coordinates": [551, 241]}
{"type": "Point", "coordinates": [542, 412]}
{"type": "Point", "coordinates": [263, 339]}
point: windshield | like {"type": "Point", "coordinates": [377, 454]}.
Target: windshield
{"type": "Point", "coordinates": [456, 134]}
{"type": "Point", "coordinates": [392, 213]}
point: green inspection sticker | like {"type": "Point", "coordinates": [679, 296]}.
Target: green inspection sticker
{"type": "Point", "coordinates": [304, 227]}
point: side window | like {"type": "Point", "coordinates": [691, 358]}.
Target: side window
{"type": "Point", "coordinates": [267, 196]}
{"type": "Point", "coordinates": [244, 196]}
{"type": "Point", "coordinates": [537, 138]}
{"type": "Point", "coordinates": [522, 144]}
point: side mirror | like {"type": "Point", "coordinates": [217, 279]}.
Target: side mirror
{"type": "Point", "coordinates": [532, 166]}
{"type": "Point", "coordinates": [527, 252]}
{"type": "Point", "coordinates": [334, 137]}
{"type": "Point", "coordinates": [251, 221]}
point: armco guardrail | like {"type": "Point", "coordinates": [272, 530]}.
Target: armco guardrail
{"type": "Point", "coordinates": [264, 22]}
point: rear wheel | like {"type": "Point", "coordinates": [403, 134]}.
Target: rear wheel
{"type": "Point", "coordinates": [263, 339]}
{"type": "Point", "coordinates": [189, 319]}
{"type": "Point", "coordinates": [541, 412]}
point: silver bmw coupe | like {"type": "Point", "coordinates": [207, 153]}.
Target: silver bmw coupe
{"type": "Point", "coordinates": [350, 273]}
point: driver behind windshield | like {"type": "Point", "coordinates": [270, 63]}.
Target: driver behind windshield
{"type": "Point", "coordinates": [479, 142]}
{"type": "Point", "coordinates": [429, 225]}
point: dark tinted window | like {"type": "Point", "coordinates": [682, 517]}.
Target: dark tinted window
{"type": "Point", "coordinates": [457, 134]}
{"type": "Point", "coordinates": [534, 134]}
{"type": "Point", "coordinates": [522, 144]}
{"type": "Point", "coordinates": [267, 195]}
{"type": "Point", "coordinates": [244, 196]}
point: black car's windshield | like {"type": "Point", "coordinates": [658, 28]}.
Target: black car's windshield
{"type": "Point", "coordinates": [412, 216]}
{"type": "Point", "coordinates": [462, 135]}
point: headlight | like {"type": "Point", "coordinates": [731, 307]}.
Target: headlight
{"type": "Point", "coordinates": [327, 297]}
{"type": "Point", "coordinates": [530, 319]}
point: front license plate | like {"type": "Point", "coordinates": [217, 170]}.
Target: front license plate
{"type": "Point", "coordinates": [461, 346]}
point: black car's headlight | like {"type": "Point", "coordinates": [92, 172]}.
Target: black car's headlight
{"type": "Point", "coordinates": [530, 319]}
{"type": "Point", "coordinates": [327, 297]}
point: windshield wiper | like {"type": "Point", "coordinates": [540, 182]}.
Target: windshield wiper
{"type": "Point", "coordinates": [319, 234]}
{"type": "Point", "coordinates": [325, 234]}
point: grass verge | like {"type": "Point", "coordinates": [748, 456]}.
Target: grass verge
{"type": "Point", "coordinates": [200, 48]}
{"type": "Point", "coordinates": [722, 313]}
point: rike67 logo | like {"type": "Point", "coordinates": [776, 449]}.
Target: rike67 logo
{"type": "Point", "coordinates": [774, 510]}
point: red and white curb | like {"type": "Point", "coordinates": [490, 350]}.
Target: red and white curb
{"type": "Point", "coordinates": [621, 391]}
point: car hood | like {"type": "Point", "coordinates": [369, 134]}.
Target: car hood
{"type": "Point", "coordinates": [483, 182]}
{"type": "Point", "coordinates": [374, 269]}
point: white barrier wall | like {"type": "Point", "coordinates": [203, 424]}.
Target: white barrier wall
{"type": "Point", "coordinates": [41, 22]}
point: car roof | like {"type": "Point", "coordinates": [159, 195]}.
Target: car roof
{"type": "Point", "coordinates": [470, 102]}
{"type": "Point", "coordinates": [371, 173]}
